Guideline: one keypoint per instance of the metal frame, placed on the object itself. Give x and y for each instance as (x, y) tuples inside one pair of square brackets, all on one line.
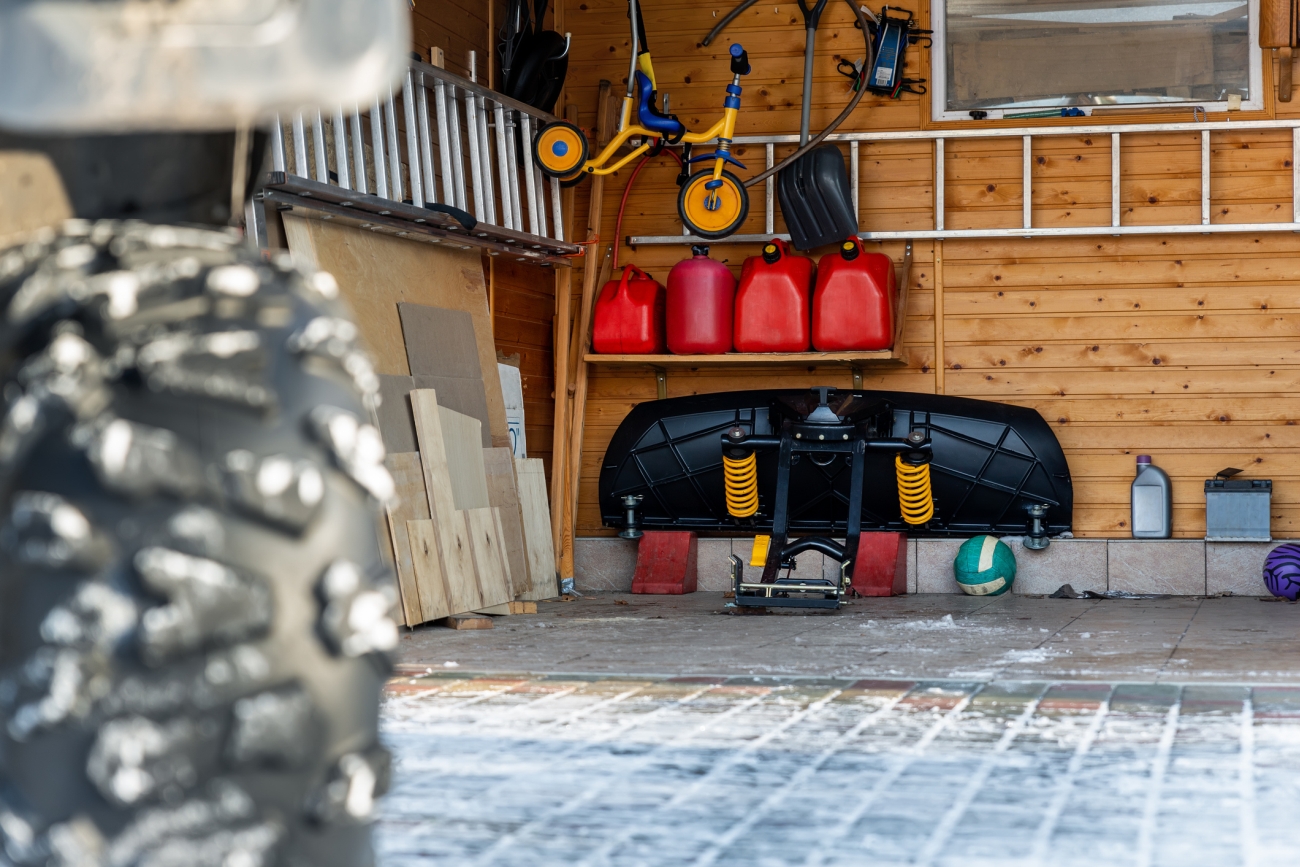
[(1027, 135), (471, 150), (939, 74)]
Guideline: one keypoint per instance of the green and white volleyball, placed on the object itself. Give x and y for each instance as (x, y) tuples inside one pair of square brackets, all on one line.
[(984, 567)]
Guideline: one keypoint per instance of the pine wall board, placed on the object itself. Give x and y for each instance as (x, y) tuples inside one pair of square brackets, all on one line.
[(1185, 347)]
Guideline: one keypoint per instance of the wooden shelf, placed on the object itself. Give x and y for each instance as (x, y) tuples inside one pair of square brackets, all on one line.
[(661, 364), (735, 359)]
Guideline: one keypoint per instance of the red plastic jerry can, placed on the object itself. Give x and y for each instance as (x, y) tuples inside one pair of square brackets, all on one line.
[(773, 301), (630, 316), (853, 302), (701, 299)]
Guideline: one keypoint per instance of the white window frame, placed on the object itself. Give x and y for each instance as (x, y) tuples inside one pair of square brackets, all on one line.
[(939, 73)]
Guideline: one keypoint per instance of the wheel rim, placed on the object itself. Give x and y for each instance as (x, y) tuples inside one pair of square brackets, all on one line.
[(712, 216), (559, 150)]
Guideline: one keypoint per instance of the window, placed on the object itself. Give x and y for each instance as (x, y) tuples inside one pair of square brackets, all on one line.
[(1007, 56)]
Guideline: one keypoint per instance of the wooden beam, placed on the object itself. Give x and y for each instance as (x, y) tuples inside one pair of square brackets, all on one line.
[(590, 275), (563, 315)]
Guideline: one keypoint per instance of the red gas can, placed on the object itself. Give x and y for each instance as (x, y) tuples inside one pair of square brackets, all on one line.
[(772, 303), (630, 316), (701, 298), (853, 302)]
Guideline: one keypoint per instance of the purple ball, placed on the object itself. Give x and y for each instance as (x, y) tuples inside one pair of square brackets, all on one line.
[(1282, 571)]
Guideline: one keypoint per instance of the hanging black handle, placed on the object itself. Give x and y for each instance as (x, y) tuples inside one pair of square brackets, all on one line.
[(812, 17), (739, 60)]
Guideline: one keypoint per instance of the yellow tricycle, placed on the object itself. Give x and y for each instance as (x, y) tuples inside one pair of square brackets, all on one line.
[(713, 203)]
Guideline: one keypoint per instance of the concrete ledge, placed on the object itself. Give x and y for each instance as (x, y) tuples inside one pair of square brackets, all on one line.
[(1179, 567), (1081, 563), (1173, 566), (603, 565), (1237, 567)]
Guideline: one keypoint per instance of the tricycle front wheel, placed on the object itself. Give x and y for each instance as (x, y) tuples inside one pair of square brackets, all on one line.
[(713, 212)]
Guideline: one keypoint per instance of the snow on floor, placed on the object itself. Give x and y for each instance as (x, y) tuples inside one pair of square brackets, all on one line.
[(591, 770)]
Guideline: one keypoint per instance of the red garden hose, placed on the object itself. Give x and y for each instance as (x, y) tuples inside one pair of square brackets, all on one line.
[(618, 227)]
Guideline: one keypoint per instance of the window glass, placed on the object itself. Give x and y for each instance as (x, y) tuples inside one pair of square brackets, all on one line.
[(1049, 53)]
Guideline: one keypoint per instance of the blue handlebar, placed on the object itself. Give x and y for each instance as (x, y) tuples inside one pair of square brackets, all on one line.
[(739, 60)]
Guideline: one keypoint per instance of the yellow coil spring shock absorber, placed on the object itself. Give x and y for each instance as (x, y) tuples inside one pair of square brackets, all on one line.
[(914, 494), (741, 475)]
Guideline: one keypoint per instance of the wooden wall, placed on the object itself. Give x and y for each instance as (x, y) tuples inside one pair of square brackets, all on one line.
[(1185, 347), (457, 27), (522, 321)]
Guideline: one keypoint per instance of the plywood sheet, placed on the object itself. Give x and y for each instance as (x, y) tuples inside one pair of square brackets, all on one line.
[(503, 495), (489, 558), (377, 272), (452, 541), (460, 438), (411, 505), (536, 513), (427, 565)]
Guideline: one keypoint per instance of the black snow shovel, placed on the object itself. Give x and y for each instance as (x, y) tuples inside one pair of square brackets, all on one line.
[(816, 199)]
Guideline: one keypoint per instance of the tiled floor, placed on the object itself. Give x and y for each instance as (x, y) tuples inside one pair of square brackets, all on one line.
[(920, 730), (748, 771)]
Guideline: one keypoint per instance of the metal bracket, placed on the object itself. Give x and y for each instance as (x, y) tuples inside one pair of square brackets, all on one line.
[(857, 378), (661, 380)]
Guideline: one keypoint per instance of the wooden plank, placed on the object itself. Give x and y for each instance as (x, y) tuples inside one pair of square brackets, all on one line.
[(1270, 353), (452, 539), (1135, 325), (427, 564), (503, 495), (1124, 299), (411, 504), (563, 327), (499, 531), (1119, 383), (579, 340), (540, 561), (464, 461), (470, 621), (489, 558)]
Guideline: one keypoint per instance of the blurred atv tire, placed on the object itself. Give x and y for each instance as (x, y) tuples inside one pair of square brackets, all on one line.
[(194, 612)]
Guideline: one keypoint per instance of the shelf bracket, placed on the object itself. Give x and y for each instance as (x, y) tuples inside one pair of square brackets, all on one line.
[(661, 380), (857, 378)]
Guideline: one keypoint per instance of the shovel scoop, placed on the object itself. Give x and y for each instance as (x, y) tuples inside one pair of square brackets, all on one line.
[(816, 198)]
